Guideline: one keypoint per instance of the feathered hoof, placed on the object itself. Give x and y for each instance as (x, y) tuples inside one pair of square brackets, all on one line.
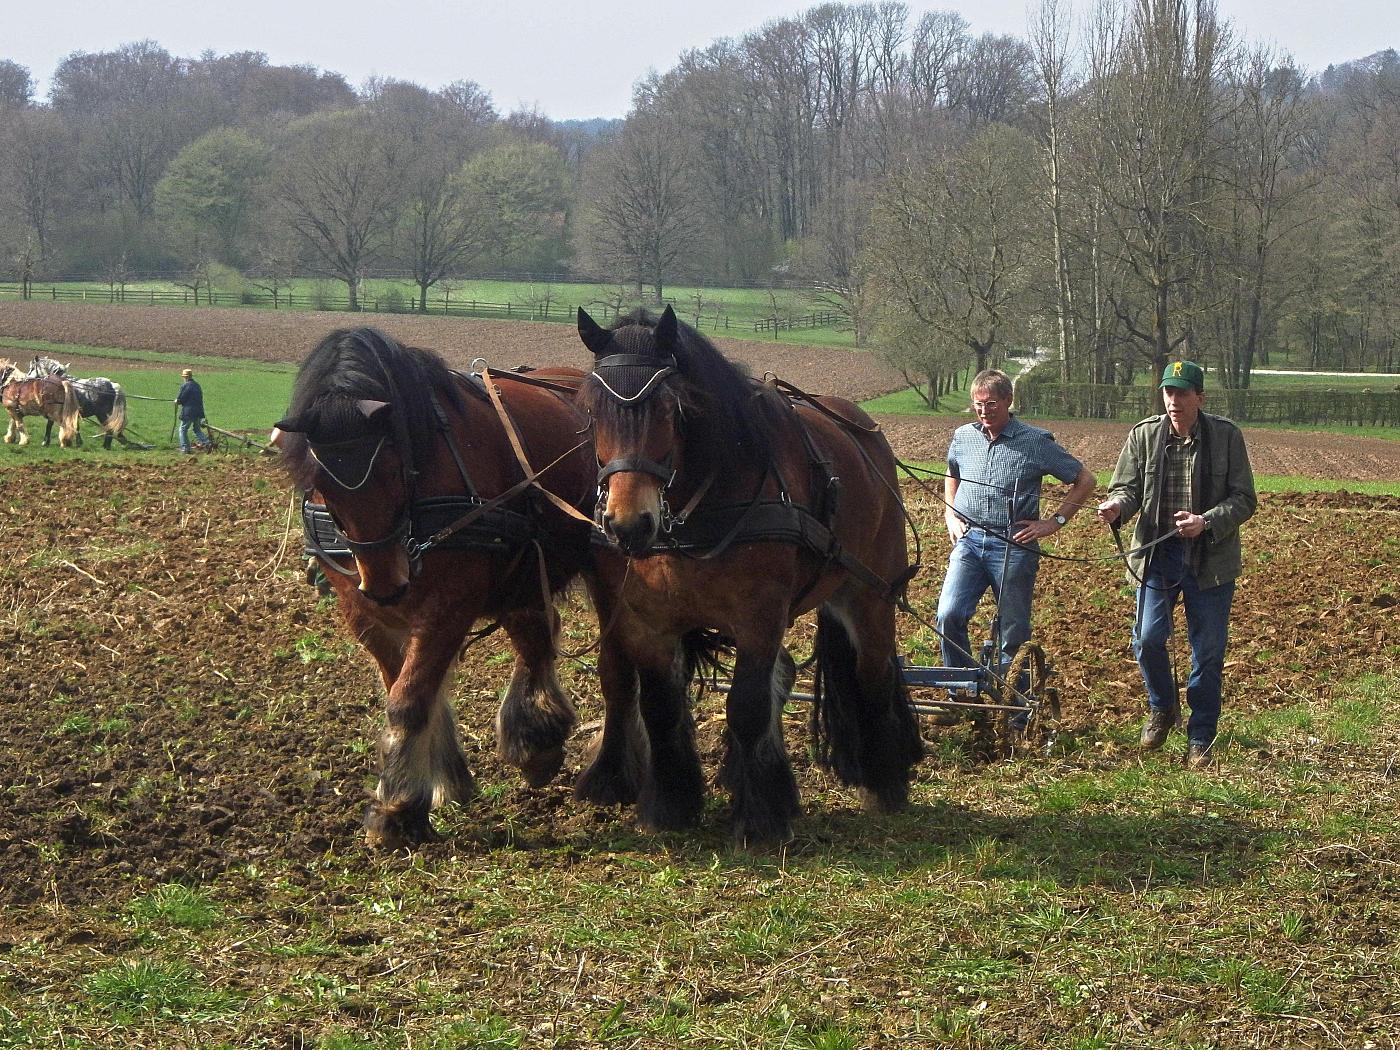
[(542, 767), (657, 815), (606, 786), (400, 826), (888, 798), (761, 831)]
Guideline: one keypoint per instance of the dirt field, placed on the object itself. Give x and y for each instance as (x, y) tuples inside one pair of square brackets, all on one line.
[(188, 703), (180, 709), (282, 336)]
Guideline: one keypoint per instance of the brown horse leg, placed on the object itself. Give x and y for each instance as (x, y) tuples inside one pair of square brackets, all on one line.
[(865, 729), (421, 759), (535, 717), (756, 769), (672, 794), (617, 763)]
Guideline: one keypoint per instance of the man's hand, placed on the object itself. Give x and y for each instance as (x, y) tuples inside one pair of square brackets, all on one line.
[(957, 527), (1108, 512), (1033, 529), (1188, 525)]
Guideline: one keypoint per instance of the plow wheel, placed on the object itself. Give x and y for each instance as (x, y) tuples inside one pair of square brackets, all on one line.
[(1027, 685), (1003, 733)]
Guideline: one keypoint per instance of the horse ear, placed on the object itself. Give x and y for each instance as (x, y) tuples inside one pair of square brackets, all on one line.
[(665, 331), (373, 411), (301, 424), (593, 335)]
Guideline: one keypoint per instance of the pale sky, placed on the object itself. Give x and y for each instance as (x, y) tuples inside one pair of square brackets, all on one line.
[(572, 60)]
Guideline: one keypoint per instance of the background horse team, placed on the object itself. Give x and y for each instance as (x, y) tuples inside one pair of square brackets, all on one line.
[(46, 389)]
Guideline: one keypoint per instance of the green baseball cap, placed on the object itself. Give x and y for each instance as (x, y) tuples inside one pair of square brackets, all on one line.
[(1184, 374)]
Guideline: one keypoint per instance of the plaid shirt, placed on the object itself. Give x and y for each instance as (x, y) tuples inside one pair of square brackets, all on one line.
[(989, 473), (1178, 468)]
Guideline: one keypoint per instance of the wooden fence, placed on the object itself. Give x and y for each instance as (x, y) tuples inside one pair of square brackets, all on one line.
[(779, 324), (1312, 406), (399, 304)]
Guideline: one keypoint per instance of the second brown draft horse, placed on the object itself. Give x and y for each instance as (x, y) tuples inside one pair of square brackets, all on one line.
[(47, 396), (402, 451), (741, 509)]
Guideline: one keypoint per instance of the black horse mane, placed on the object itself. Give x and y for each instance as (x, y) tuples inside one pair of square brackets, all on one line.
[(354, 364), (727, 420)]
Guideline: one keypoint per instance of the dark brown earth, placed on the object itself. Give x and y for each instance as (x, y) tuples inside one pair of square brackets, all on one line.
[(178, 702), (271, 335)]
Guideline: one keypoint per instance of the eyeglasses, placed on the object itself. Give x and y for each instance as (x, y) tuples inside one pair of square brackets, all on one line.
[(985, 406)]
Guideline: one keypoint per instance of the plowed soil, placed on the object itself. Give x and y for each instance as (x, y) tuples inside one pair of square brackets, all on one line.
[(178, 701), (177, 705)]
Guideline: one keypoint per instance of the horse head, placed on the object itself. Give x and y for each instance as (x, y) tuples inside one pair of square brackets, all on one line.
[(347, 435), (45, 367), (636, 402)]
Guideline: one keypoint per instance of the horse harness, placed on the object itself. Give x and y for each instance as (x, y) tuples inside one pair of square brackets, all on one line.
[(704, 531), (465, 522)]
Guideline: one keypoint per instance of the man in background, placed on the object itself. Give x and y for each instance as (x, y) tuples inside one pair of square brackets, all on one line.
[(190, 405)]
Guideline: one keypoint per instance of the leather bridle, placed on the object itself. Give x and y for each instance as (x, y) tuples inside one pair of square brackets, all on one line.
[(664, 469)]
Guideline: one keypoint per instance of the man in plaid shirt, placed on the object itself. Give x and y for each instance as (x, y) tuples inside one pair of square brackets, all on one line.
[(1188, 473)]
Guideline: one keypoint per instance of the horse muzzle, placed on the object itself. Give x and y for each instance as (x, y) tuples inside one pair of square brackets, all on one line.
[(634, 534), (386, 601)]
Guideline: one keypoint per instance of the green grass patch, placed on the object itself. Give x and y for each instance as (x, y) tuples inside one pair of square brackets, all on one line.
[(137, 992), (176, 905)]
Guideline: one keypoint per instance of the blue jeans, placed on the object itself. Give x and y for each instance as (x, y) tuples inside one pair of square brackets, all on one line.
[(975, 565), (200, 437), (1207, 629)]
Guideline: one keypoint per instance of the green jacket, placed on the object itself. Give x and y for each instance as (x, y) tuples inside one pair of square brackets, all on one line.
[(1222, 491)]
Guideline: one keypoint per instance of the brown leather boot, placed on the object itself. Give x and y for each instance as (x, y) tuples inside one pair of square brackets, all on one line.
[(1199, 754), (1159, 724)]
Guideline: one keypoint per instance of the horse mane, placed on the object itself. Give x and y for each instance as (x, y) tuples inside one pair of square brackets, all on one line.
[(354, 364), (725, 422)]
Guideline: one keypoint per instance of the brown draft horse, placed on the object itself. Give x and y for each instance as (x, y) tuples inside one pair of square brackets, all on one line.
[(47, 396), (401, 449), (725, 495)]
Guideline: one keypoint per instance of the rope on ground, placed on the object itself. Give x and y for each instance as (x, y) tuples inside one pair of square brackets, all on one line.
[(270, 569)]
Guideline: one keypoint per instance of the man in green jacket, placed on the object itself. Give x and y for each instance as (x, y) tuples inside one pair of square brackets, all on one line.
[(1188, 474)]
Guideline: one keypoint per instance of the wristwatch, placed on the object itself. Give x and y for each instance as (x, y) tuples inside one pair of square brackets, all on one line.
[(1060, 520)]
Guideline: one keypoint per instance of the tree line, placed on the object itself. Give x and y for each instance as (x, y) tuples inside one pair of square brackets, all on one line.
[(1116, 189)]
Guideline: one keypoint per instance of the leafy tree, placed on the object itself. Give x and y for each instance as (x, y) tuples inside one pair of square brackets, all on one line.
[(210, 192), (16, 86), (520, 189)]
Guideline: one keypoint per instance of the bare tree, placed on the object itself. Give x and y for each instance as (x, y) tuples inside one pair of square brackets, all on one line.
[(1049, 44), (954, 246), (645, 222), (338, 190), (441, 228), (1157, 109), (35, 158)]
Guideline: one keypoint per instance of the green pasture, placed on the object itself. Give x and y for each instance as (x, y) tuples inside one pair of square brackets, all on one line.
[(248, 397)]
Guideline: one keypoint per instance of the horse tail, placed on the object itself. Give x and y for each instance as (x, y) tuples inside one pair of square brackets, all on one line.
[(116, 418), (70, 415), (865, 732)]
